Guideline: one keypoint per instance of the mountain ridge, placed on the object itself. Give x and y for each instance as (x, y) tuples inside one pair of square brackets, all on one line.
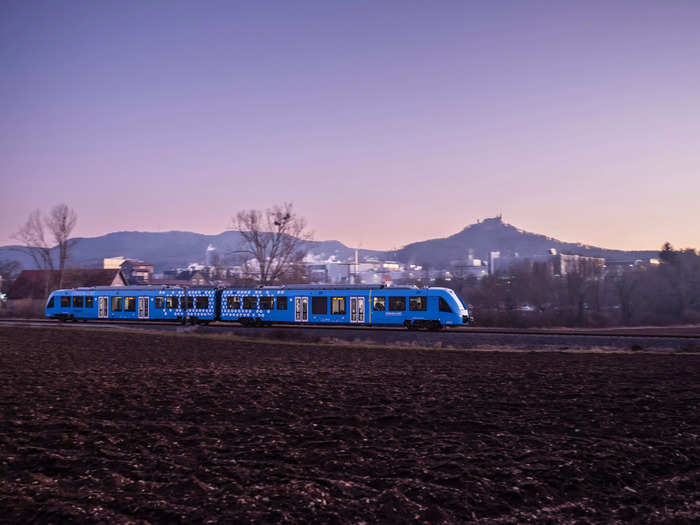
[(177, 248), (164, 250)]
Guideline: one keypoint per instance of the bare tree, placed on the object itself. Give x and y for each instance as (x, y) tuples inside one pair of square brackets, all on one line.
[(33, 235), (60, 222), (626, 286), (274, 239)]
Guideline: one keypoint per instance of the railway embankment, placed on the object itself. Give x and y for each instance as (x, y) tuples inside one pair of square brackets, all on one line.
[(654, 339)]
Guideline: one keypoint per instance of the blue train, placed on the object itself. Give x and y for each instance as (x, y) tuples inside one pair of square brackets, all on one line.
[(412, 307)]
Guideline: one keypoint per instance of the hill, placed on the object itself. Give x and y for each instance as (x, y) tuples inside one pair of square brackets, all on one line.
[(495, 235)]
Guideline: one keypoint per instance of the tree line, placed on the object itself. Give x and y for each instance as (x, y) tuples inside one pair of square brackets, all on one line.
[(529, 295)]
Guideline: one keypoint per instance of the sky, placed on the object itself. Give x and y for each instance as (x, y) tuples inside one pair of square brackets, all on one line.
[(383, 122)]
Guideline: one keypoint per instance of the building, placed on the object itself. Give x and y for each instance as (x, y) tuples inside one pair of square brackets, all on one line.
[(184, 278), (560, 264), (27, 294), (141, 272), (462, 271), (620, 266), (113, 263), (318, 273), (469, 267), (563, 264), (493, 260), (211, 257), (198, 278), (136, 271)]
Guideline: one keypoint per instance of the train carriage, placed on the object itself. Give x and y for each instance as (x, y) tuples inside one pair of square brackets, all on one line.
[(343, 304), (159, 303)]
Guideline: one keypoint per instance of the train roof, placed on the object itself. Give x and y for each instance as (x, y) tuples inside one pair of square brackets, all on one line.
[(337, 287), (152, 287), (136, 288), (331, 287)]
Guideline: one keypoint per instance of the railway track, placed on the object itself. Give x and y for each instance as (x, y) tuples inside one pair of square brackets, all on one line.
[(667, 338), (682, 332)]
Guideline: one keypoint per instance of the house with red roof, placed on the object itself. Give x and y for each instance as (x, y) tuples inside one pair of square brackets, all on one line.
[(28, 293)]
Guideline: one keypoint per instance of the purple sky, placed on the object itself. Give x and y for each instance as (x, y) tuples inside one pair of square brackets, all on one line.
[(384, 122)]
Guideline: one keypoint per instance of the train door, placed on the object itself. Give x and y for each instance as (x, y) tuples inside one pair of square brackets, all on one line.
[(301, 309), (357, 309), (102, 303), (143, 307)]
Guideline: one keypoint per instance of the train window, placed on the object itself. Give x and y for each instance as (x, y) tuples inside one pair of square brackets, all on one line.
[(338, 305), (77, 301), (89, 302), (116, 303), (187, 303), (281, 303), (267, 303), (202, 302), (171, 302), (417, 304), (158, 302), (379, 304), (250, 302), (129, 304), (444, 307), (50, 304), (65, 301), (233, 302), (319, 305), (397, 304)]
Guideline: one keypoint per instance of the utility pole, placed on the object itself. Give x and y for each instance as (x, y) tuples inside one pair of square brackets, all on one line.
[(357, 269)]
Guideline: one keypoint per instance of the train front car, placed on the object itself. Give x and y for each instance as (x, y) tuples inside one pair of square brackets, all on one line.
[(375, 305), (79, 304), (451, 309), (59, 305)]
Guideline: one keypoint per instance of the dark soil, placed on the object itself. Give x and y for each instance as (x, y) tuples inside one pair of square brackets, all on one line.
[(120, 426)]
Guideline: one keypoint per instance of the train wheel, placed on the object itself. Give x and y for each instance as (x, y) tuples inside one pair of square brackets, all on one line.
[(420, 325), (435, 326)]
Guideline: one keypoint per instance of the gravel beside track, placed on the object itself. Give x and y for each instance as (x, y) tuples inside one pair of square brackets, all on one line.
[(122, 426)]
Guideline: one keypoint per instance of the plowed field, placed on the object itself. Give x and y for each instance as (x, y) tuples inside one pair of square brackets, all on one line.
[(122, 426)]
